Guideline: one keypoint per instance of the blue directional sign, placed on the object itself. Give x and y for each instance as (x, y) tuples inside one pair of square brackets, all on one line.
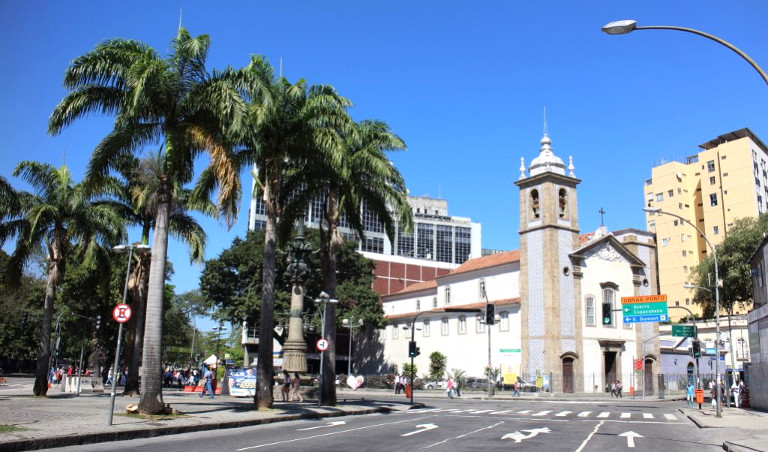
[(645, 318)]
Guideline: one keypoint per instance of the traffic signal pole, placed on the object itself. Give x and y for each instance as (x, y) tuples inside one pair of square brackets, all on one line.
[(413, 341)]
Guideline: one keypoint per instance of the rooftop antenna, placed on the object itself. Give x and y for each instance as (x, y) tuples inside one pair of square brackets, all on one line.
[(281, 67), (545, 121)]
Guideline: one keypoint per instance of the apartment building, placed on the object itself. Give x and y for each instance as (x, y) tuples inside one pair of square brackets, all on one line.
[(726, 180)]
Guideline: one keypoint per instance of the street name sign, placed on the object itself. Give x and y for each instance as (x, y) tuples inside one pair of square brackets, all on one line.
[(644, 299), (683, 331), (645, 318)]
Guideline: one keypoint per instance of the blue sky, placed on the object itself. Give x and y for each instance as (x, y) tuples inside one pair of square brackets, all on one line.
[(463, 83)]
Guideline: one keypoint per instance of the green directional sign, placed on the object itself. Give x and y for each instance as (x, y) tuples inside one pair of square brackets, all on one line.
[(656, 308), (683, 331)]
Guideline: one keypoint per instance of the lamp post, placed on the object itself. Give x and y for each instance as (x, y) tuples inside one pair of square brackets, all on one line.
[(323, 298), (351, 325), (652, 211), (218, 330), (121, 249), (623, 27), (413, 340)]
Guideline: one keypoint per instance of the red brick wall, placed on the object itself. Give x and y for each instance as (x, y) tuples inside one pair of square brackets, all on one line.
[(393, 277)]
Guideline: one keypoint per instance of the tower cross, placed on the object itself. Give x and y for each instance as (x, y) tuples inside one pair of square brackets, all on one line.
[(602, 212)]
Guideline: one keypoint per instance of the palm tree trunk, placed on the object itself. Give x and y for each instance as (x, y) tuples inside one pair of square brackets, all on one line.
[(329, 286), (151, 380), (265, 370), (139, 304), (41, 373)]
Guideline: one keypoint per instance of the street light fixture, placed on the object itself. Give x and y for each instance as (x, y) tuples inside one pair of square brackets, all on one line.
[(656, 210), (352, 326), (323, 298), (623, 27), (121, 249)]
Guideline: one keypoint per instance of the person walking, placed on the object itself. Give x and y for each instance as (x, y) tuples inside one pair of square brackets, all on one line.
[(286, 385), (207, 383), (516, 392), (457, 387), (689, 394), (619, 387), (449, 388), (296, 388)]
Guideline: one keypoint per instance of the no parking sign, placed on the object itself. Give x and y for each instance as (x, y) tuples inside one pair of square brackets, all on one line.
[(121, 313)]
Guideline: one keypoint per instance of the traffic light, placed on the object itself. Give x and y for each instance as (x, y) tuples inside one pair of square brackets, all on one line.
[(490, 314), (98, 322), (696, 348), (607, 314), (413, 350)]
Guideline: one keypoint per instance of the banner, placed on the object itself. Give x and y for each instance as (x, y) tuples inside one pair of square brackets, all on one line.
[(242, 382)]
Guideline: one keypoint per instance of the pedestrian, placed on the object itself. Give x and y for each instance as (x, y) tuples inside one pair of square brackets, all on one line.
[(207, 382), (397, 384), (286, 385), (613, 388), (713, 393), (689, 394), (295, 387), (457, 387), (449, 388), (517, 389), (619, 387)]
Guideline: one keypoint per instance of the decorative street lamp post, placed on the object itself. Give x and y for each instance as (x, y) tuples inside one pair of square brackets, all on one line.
[(352, 326), (295, 348)]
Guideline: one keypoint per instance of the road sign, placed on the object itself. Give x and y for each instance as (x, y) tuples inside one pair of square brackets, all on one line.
[(657, 308), (683, 331), (121, 313), (322, 344), (638, 364), (645, 318), (644, 299)]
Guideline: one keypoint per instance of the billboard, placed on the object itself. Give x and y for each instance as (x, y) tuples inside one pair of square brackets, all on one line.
[(242, 382)]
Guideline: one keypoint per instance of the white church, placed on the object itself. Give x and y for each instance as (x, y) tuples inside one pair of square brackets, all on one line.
[(557, 299)]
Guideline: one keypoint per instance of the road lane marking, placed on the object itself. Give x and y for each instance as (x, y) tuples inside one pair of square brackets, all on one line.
[(604, 414), (329, 434), (647, 416), (463, 435), (563, 413), (422, 428), (584, 413), (524, 412), (519, 437), (589, 437), (625, 415), (500, 412), (671, 417), (631, 437), (480, 411), (542, 413), (330, 424)]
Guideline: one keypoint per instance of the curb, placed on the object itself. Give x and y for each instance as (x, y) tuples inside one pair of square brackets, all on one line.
[(729, 446), (93, 438)]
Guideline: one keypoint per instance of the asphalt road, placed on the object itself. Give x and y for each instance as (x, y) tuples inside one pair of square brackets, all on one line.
[(459, 425)]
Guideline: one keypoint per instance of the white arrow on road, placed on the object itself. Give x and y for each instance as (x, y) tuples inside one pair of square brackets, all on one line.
[(422, 428), (631, 438), (330, 424), (518, 437)]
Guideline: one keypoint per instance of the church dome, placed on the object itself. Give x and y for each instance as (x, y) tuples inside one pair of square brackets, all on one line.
[(547, 161)]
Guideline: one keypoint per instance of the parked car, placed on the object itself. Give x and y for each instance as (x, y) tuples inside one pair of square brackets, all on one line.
[(435, 384), (477, 383)]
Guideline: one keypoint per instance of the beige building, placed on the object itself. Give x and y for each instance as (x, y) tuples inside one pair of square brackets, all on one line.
[(726, 180)]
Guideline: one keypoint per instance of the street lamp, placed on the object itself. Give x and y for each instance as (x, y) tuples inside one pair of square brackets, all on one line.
[(352, 326), (218, 329), (656, 210), (623, 27), (413, 341), (323, 298), (121, 249)]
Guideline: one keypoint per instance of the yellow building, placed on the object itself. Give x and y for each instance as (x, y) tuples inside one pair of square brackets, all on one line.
[(726, 180)]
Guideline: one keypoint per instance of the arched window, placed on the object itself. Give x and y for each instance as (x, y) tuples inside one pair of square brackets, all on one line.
[(589, 308), (504, 323), (562, 203), (444, 326), (480, 324), (481, 289), (418, 305), (535, 210), (394, 331), (425, 328), (447, 295), (462, 325)]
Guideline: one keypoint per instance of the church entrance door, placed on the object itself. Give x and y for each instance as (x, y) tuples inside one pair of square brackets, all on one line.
[(568, 375), (610, 369), (648, 384)]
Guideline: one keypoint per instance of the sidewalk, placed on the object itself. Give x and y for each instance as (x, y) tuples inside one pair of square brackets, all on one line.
[(67, 420), (743, 429)]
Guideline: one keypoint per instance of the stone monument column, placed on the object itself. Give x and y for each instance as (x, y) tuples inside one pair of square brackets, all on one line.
[(295, 348)]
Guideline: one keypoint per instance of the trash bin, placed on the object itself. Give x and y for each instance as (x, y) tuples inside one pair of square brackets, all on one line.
[(699, 396), (407, 391), (662, 385)]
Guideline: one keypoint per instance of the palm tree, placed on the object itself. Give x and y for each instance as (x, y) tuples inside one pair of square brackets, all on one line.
[(365, 180), (169, 101), (135, 196), (288, 126), (58, 219)]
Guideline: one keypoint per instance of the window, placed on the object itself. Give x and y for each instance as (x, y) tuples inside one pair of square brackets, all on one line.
[(395, 331), (447, 295), (444, 251), (463, 244), (535, 203), (481, 290), (680, 206), (590, 311), (685, 253), (480, 324), (434, 302), (562, 202), (418, 305), (504, 323), (760, 281), (659, 197), (711, 166), (425, 329), (652, 225), (405, 243), (682, 237), (664, 241), (679, 191), (671, 193), (713, 199), (712, 180), (462, 325), (425, 240), (716, 230), (677, 303), (687, 301), (373, 245), (675, 222), (685, 269), (444, 327)]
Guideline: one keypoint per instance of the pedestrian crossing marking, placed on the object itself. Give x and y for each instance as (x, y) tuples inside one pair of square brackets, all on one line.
[(647, 416), (671, 417), (542, 413), (584, 413), (552, 413), (480, 411), (563, 413), (625, 415), (500, 412), (604, 414), (524, 412)]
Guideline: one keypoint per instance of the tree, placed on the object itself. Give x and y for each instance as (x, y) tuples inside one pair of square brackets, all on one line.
[(437, 365), (61, 219), (288, 127), (175, 103), (20, 314), (733, 267)]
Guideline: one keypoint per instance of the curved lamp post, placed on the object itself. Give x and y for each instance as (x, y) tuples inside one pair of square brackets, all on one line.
[(623, 27), (652, 211), (347, 323)]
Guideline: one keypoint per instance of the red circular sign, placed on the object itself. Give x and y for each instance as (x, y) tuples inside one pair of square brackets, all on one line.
[(322, 344), (121, 313)]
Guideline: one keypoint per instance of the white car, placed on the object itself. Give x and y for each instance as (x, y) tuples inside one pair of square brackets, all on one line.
[(435, 384)]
